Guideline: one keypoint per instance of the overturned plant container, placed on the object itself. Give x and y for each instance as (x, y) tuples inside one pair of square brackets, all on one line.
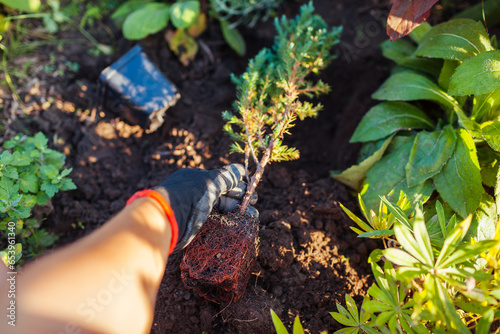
[(136, 90), (217, 263)]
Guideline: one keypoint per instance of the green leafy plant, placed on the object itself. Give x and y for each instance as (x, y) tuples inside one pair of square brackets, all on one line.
[(30, 175), (440, 284), (436, 133), (268, 92)]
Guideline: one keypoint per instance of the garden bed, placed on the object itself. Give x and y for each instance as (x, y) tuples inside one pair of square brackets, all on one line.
[(309, 258)]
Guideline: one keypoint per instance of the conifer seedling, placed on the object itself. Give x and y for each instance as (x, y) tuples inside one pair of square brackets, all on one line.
[(268, 102), (217, 263)]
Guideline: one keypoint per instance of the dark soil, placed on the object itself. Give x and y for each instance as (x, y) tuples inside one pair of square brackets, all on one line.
[(309, 258)]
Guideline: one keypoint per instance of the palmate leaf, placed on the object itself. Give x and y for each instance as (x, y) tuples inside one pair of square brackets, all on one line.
[(430, 152), (357, 321), (149, 19), (478, 75), (387, 118), (468, 38), (459, 182)]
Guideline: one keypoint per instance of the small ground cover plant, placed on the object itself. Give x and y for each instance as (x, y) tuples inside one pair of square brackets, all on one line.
[(436, 135), (30, 175)]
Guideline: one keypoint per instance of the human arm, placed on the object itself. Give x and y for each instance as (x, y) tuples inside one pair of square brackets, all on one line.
[(107, 282)]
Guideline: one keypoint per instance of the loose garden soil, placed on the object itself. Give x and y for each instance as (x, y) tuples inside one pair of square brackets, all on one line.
[(309, 258)]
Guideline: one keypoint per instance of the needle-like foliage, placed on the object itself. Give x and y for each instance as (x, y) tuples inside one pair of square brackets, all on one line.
[(268, 92)]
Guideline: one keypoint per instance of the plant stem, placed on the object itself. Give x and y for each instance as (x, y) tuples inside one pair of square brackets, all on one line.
[(255, 179)]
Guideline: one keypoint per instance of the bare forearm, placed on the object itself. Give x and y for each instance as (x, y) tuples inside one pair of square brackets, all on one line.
[(106, 282)]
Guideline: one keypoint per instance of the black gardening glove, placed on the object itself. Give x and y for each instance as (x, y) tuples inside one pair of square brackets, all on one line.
[(192, 193)]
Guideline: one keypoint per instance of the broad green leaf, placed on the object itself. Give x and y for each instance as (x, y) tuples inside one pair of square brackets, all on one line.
[(353, 176), (28, 182), (491, 133), (485, 220), (184, 13), (233, 38), (485, 107), (278, 325), (425, 65), (447, 71), (419, 32), (455, 40), (385, 175), (478, 75), (149, 19), (459, 182), (411, 86), (489, 162), (49, 171), (487, 10), (397, 50), (23, 5), (430, 152), (387, 118), (125, 9), (369, 148)]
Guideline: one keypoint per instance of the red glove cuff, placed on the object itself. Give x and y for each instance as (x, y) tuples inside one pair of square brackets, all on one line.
[(168, 211)]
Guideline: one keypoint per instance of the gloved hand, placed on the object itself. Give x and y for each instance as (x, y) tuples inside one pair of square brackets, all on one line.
[(192, 193)]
